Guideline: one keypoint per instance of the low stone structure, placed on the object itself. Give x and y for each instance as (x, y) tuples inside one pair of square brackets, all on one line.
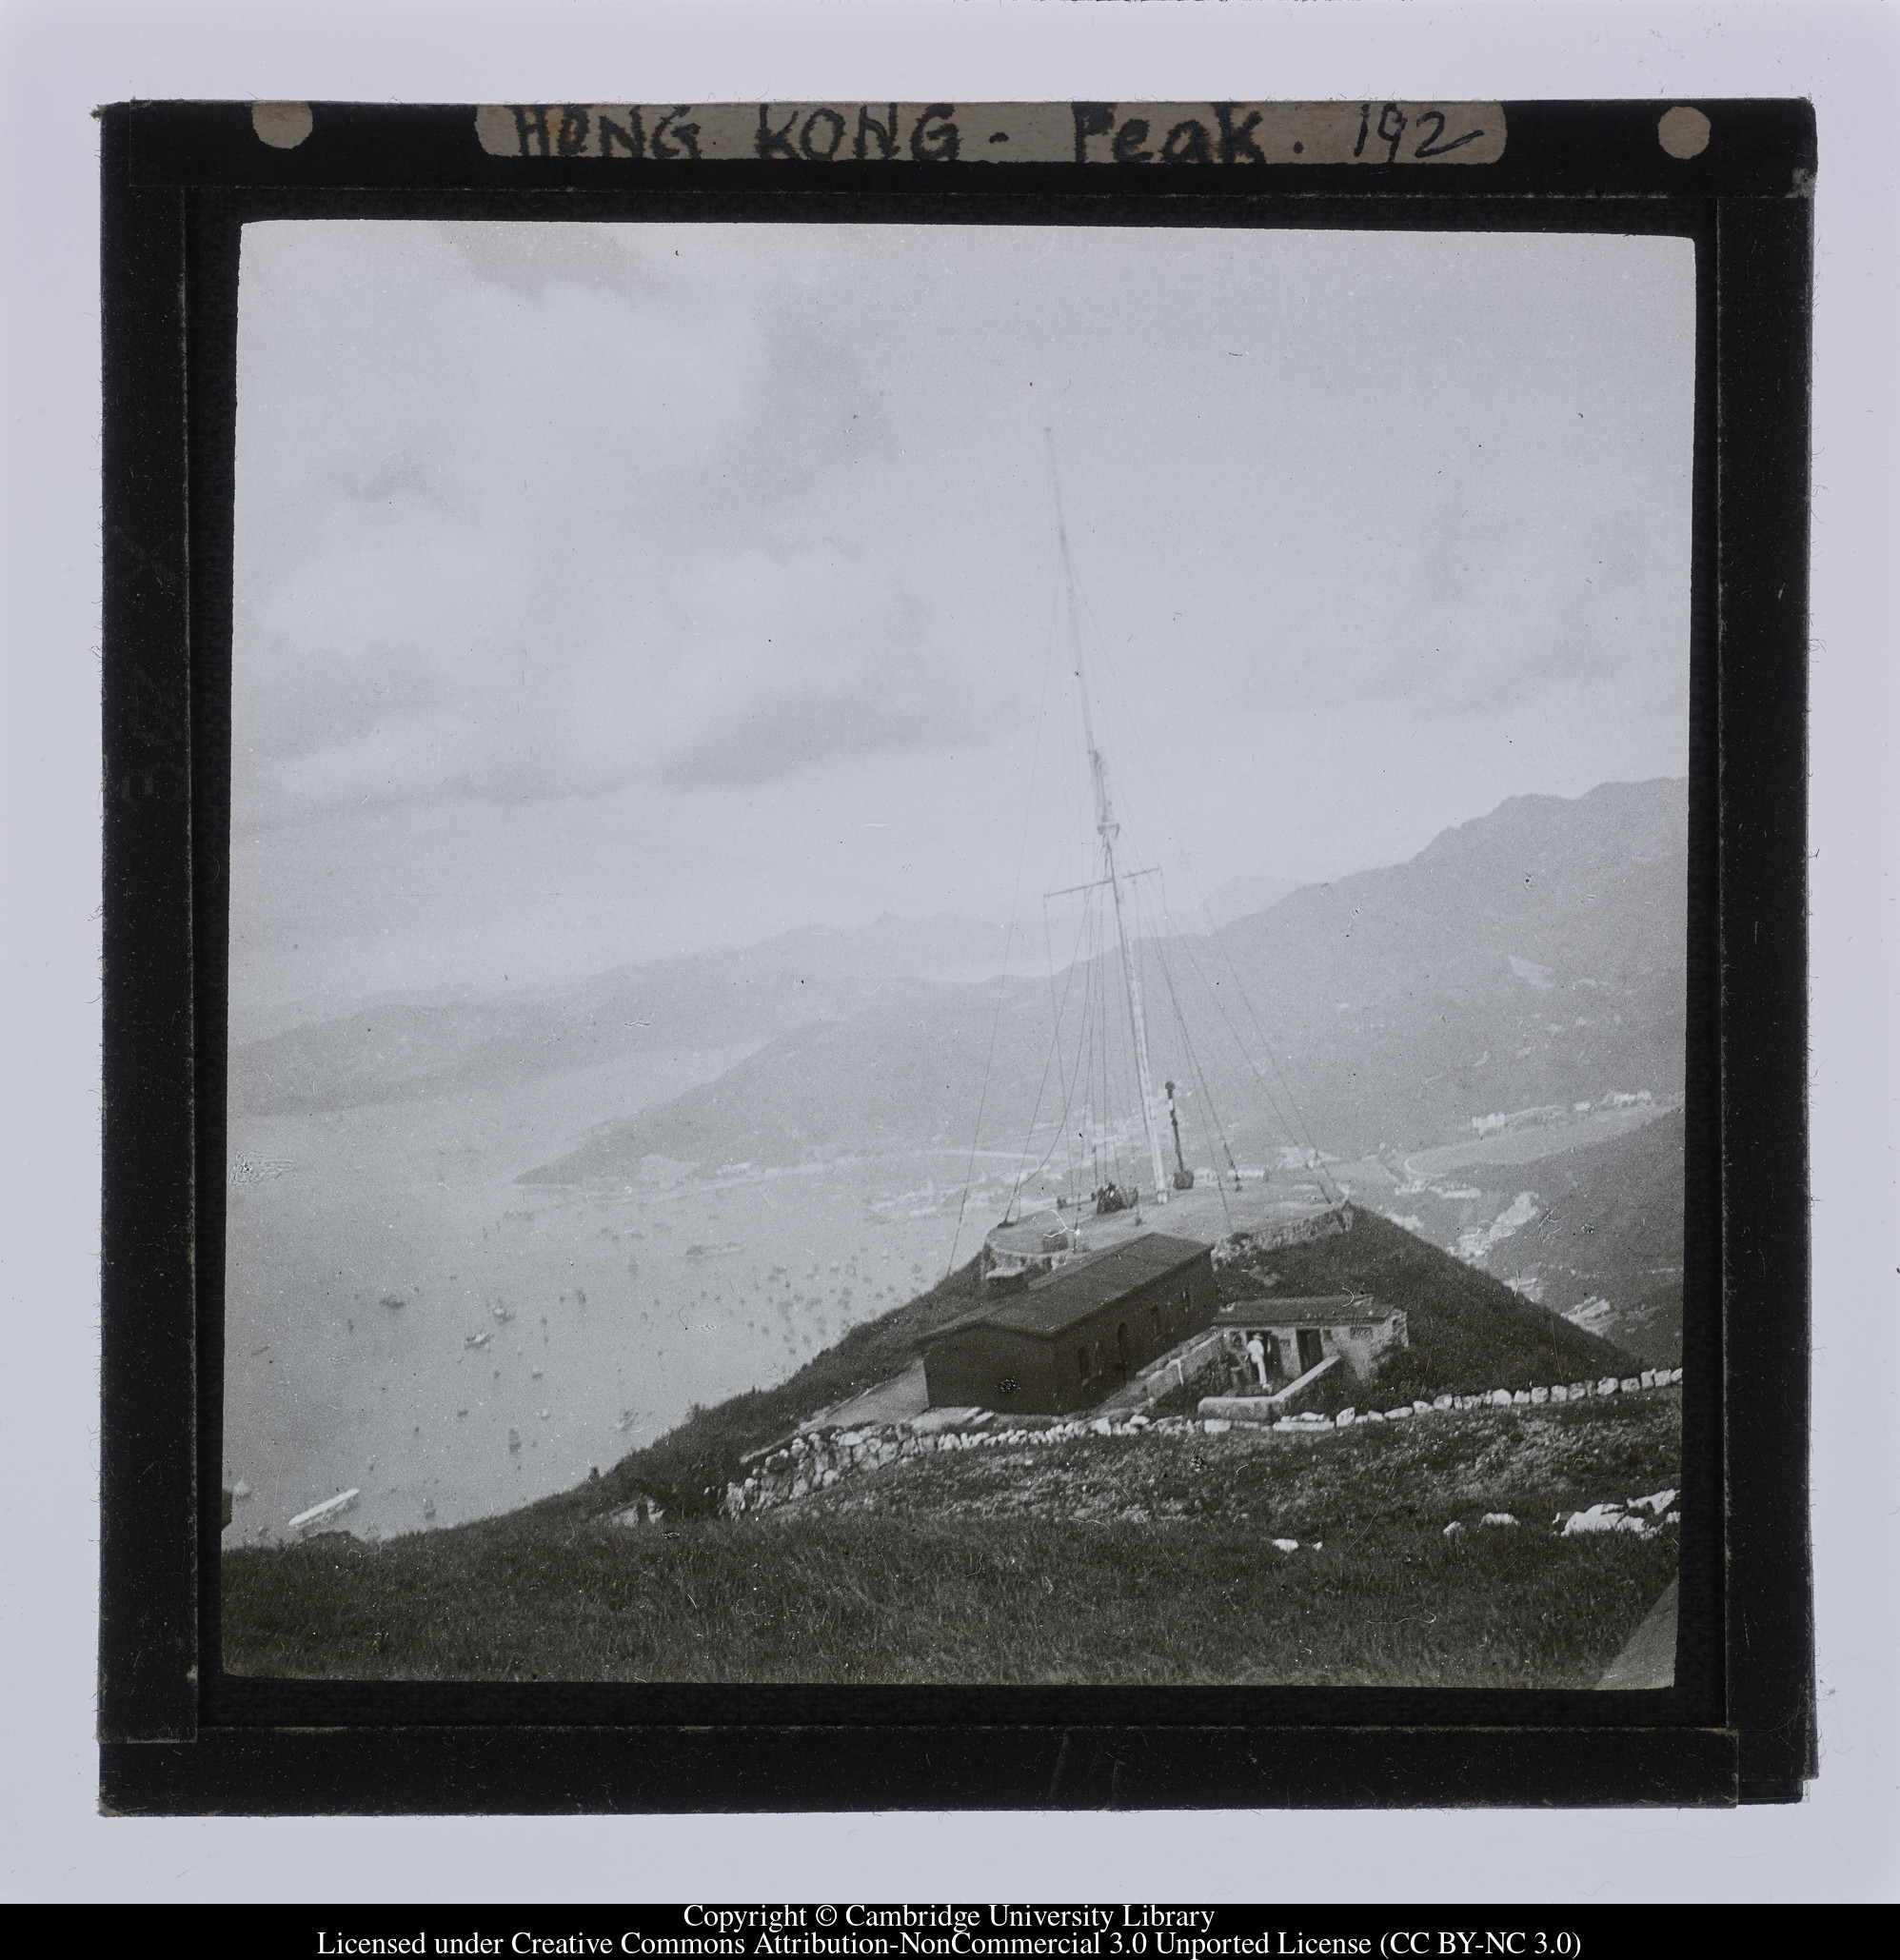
[(815, 1461), (1290, 1336), (1330, 1223)]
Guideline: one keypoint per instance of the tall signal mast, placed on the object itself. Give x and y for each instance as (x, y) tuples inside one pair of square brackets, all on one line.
[(1107, 831)]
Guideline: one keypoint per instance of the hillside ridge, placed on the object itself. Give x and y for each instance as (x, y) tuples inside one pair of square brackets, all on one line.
[(1468, 1333)]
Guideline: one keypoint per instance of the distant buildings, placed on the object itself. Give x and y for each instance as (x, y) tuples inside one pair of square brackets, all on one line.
[(1075, 1335)]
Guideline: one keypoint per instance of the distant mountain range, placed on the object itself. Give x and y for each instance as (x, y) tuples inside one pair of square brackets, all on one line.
[(397, 1049), (1239, 897), (1532, 956)]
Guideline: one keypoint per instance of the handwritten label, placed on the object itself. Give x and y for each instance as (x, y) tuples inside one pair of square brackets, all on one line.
[(1214, 134)]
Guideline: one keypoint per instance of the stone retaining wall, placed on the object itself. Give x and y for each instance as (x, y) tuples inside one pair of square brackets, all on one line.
[(1229, 1408), (1181, 1365), (817, 1460), (1243, 1245)]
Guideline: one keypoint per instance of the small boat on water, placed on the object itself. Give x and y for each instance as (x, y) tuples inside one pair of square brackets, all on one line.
[(325, 1513)]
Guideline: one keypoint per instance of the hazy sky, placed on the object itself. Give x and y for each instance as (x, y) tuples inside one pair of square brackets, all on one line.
[(604, 592)]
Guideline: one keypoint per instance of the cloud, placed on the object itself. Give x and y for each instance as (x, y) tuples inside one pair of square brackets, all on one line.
[(534, 517), (1464, 596), (785, 661), (576, 554)]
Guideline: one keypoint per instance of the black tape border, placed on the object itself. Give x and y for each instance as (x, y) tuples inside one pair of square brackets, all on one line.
[(179, 181)]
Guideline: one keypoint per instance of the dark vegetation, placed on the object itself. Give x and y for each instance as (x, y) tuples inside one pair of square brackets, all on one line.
[(1610, 1223), (1652, 1328), (1154, 1564), (1467, 1331)]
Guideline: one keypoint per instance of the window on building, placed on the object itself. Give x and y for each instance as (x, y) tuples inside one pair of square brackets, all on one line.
[(1082, 1363)]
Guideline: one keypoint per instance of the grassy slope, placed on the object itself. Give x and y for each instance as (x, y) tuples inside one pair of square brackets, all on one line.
[(977, 1566), (1098, 1559), (688, 1468), (1610, 1224), (1653, 1326), (1468, 1331), (1530, 1462)]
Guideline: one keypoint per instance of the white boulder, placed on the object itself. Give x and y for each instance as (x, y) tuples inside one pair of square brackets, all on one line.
[(1656, 1503), (1602, 1517)]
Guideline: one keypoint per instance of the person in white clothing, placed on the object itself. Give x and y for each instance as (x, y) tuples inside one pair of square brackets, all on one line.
[(1257, 1353)]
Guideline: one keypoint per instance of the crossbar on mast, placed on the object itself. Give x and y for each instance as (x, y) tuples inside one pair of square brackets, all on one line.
[(1094, 884)]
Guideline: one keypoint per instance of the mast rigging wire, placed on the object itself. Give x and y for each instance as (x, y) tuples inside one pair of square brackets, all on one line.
[(1298, 1127), (1008, 940), (1200, 1075)]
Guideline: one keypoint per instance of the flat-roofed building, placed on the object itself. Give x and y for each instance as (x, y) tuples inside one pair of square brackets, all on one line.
[(1067, 1339), (1298, 1334)]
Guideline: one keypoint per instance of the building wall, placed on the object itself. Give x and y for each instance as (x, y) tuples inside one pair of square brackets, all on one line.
[(969, 1367), (1364, 1346), (1360, 1345), (967, 1370)]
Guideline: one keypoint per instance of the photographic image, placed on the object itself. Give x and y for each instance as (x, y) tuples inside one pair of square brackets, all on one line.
[(956, 954)]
